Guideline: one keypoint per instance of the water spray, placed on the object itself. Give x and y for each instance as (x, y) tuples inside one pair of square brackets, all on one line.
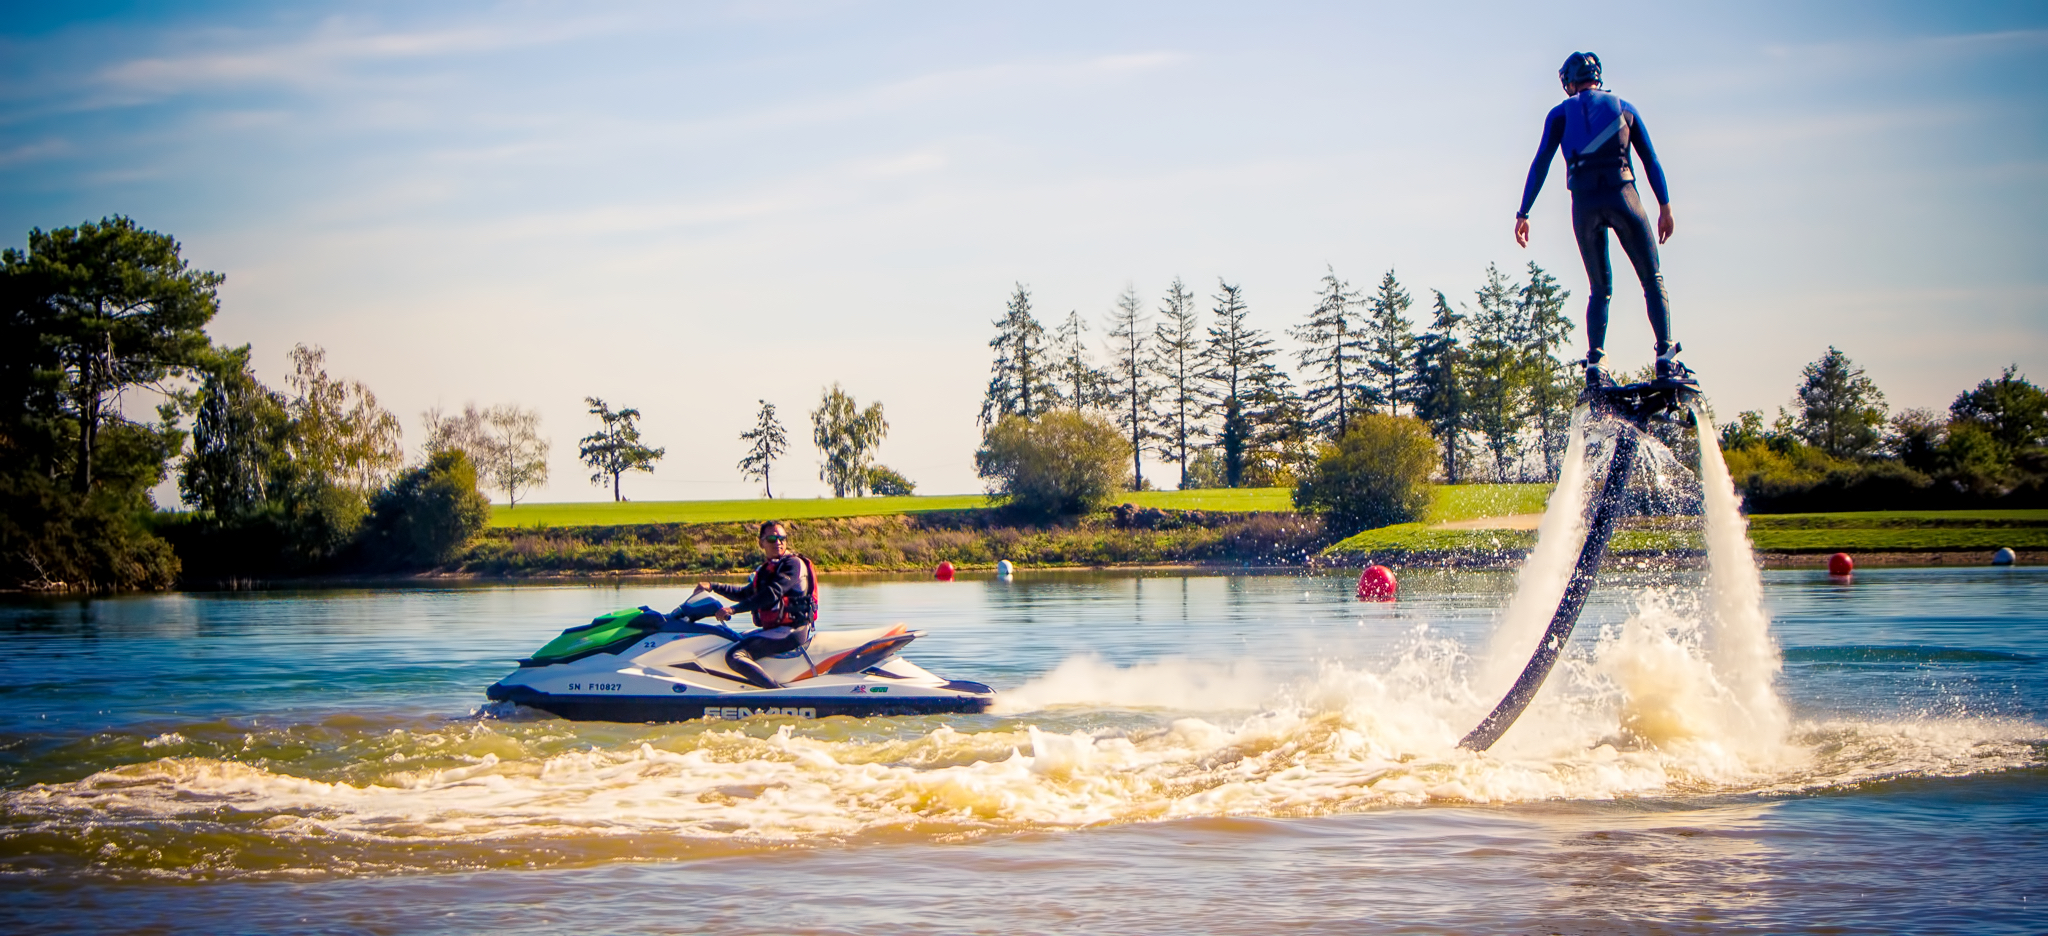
[(1627, 410)]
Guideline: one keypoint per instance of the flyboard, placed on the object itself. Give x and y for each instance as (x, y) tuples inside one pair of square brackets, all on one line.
[(1629, 409)]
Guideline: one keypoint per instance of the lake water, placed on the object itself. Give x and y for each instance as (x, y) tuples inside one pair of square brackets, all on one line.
[(1173, 754)]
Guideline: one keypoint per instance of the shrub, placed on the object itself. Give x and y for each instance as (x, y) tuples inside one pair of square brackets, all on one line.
[(884, 481), (1060, 464), (428, 514), (1376, 475)]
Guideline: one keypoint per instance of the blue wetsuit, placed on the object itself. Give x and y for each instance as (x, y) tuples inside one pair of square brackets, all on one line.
[(1596, 128)]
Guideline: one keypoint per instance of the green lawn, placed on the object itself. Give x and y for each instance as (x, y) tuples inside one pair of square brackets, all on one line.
[(727, 511), (1453, 502), (1888, 519), (1470, 501)]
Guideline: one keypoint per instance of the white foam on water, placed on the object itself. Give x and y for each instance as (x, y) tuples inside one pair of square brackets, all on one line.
[(1173, 683)]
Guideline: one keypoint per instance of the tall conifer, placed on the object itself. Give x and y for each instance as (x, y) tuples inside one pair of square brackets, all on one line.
[(1389, 340), (1131, 384), (1018, 380), (1330, 358), (1178, 361)]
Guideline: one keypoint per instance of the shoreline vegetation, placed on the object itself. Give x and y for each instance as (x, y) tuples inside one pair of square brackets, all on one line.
[(1468, 526), (312, 481)]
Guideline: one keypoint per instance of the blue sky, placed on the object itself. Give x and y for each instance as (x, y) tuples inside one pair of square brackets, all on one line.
[(688, 207)]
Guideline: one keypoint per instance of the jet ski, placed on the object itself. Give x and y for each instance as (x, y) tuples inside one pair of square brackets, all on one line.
[(640, 665)]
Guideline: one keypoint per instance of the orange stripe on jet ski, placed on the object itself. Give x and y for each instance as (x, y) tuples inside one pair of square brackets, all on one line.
[(825, 665)]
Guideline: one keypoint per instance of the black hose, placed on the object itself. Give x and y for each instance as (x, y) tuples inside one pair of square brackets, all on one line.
[(1607, 509)]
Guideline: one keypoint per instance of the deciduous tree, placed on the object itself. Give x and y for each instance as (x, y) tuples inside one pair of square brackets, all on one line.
[(519, 459), (2010, 407), (1063, 463), (239, 431), (339, 433), (847, 437)]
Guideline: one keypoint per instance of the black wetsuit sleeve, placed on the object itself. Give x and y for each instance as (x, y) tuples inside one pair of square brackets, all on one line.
[(732, 592), (1553, 134), (1640, 138), (787, 580)]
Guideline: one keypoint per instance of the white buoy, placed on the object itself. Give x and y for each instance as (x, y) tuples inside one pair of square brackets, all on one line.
[(1004, 569), (2003, 556)]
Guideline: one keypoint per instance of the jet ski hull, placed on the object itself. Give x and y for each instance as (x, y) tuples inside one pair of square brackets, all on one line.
[(718, 707)]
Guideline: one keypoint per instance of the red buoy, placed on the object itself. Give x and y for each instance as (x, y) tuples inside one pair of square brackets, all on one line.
[(1377, 583), (944, 572), (1840, 564)]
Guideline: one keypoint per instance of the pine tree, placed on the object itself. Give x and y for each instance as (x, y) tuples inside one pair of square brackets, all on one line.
[(1494, 385), (1082, 382), (1177, 359), (1018, 376), (1330, 358), (1551, 391), (767, 441), (1131, 386), (1240, 375), (1389, 340), (1841, 411), (1439, 391)]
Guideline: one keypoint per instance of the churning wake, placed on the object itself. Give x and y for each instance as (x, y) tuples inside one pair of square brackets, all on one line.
[(1677, 700)]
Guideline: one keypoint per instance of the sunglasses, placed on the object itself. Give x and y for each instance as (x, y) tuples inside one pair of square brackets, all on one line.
[(776, 537)]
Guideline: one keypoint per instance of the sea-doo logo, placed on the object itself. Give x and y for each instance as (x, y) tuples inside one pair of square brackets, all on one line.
[(731, 713), (871, 689)]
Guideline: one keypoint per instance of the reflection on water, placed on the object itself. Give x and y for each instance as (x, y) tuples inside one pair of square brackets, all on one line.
[(1164, 735)]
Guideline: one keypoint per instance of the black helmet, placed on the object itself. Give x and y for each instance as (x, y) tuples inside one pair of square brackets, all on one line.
[(1580, 67)]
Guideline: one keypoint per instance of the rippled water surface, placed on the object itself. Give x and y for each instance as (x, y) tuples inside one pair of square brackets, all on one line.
[(1172, 754)]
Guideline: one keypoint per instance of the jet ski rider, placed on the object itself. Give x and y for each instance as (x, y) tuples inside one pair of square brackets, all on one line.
[(1596, 128), (783, 594)]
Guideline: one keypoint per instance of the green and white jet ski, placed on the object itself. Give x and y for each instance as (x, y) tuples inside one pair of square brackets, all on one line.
[(639, 665)]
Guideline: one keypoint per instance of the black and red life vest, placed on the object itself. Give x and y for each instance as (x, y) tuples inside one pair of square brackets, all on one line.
[(798, 610)]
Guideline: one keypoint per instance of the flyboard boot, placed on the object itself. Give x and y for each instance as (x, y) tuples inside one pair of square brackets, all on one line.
[(1669, 398), (1668, 367), (1596, 376)]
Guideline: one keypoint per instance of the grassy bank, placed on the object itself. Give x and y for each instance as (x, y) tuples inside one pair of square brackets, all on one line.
[(1454, 501), (968, 539), (1888, 531), (1236, 500), (1247, 525)]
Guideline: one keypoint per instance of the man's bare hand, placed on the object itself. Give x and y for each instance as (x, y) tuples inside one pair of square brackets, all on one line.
[(1522, 231), (1664, 223), (723, 614)]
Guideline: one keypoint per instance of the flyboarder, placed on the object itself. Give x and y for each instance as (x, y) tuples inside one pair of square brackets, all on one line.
[(1596, 128)]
